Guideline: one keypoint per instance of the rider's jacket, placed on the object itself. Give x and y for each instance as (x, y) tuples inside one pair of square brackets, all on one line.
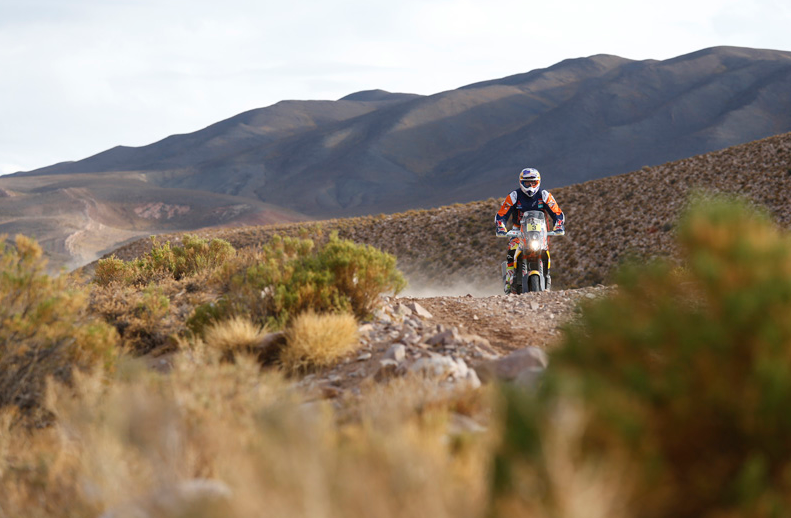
[(518, 202)]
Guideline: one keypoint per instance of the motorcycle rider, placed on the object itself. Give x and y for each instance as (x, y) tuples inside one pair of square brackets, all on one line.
[(527, 197)]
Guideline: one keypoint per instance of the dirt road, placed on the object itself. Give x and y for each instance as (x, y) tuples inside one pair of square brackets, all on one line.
[(510, 322)]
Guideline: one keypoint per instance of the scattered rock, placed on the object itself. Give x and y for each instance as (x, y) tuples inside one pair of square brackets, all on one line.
[(383, 317), (396, 352), (445, 337), (366, 329), (435, 366), (400, 311), (419, 310), (522, 362)]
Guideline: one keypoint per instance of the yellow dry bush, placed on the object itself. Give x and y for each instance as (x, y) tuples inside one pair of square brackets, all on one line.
[(319, 340), (235, 335)]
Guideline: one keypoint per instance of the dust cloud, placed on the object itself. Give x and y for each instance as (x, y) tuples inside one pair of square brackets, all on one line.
[(456, 289)]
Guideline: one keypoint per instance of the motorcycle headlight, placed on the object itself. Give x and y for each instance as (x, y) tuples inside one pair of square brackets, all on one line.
[(534, 245)]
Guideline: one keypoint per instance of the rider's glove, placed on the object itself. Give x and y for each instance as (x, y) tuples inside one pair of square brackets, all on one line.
[(559, 228), (501, 230)]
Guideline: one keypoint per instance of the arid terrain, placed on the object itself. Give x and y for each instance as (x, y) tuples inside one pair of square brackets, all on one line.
[(292, 399), (451, 257)]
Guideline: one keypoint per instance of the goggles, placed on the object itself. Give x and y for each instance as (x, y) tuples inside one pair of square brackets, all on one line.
[(529, 183)]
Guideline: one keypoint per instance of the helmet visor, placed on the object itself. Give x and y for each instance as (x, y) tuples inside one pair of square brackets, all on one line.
[(527, 184)]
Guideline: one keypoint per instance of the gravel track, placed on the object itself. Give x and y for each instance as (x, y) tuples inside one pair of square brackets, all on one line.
[(510, 322)]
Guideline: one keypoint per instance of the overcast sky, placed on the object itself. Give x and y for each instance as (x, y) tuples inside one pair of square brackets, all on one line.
[(81, 76)]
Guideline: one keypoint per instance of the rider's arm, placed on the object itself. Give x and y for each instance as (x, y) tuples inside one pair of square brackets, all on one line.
[(506, 209), (554, 209)]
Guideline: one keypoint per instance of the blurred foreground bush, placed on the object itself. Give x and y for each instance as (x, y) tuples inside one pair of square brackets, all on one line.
[(45, 328), (672, 397), (289, 276), (149, 445)]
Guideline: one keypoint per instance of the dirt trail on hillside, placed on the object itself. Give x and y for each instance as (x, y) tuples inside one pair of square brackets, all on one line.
[(510, 322)]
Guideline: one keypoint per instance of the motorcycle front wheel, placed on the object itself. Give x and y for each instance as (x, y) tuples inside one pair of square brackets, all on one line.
[(532, 283)]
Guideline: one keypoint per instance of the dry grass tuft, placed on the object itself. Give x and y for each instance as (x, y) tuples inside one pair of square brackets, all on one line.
[(235, 335), (319, 340)]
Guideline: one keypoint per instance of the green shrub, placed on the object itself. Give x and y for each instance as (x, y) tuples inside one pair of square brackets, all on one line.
[(290, 276), (45, 328), (683, 379), (109, 270), (195, 255)]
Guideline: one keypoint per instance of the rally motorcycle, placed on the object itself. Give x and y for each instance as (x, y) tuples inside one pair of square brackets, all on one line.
[(529, 274)]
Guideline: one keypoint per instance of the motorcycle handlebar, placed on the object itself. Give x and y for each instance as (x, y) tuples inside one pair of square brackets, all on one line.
[(517, 233)]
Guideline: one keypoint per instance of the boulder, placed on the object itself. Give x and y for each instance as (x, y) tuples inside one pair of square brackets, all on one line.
[(522, 366), (396, 352)]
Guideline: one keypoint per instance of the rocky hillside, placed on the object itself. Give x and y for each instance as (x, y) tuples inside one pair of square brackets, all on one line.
[(453, 249)]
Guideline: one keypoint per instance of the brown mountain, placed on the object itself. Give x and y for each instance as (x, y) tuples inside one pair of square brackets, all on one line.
[(377, 152)]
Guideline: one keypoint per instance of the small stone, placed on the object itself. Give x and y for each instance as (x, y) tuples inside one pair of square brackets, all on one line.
[(443, 338), (475, 317), (364, 356), (436, 366), (534, 305), (419, 310), (400, 311), (590, 295), (366, 329), (381, 316), (396, 352)]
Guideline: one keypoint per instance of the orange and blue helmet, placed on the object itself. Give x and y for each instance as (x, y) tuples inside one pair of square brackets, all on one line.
[(529, 181)]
